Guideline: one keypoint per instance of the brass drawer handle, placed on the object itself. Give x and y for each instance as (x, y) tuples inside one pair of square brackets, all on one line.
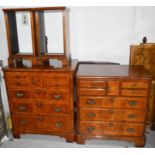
[(90, 128), (19, 95), (57, 109), (58, 124), (39, 118), (111, 125), (111, 111), (22, 107), (39, 104), (38, 92), (90, 114), (23, 122), (91, 102), (130, 130), (57, 97), (133, 103), (132, 116)]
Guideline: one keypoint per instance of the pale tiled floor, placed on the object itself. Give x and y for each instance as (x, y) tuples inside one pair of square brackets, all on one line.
[(46, 141)]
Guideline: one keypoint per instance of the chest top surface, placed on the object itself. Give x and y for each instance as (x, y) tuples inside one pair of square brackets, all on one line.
[(117, 71)]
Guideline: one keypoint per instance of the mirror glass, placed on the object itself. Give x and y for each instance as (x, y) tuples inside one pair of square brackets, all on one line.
[(20, 32), (51, 32)]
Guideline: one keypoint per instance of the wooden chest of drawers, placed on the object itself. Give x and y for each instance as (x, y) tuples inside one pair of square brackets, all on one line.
[(112, 102), (41, 100)]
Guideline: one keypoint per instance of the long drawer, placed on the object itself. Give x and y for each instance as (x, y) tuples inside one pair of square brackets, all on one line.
[(111, 128), (39, 107), (113, 102), (55, 95), (101, 114), (40, 122)]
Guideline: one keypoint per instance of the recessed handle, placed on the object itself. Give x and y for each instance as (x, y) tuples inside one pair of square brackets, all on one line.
[(22, 107), (130, 130), (90, 114), (23, 122), (91, 101), (90, 128), (57, 109), (19, 95), (57, 97), (133, 103), (132, 116), (58, 124)]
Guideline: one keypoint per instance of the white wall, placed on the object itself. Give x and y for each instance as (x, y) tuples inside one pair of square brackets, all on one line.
[(101, 33)]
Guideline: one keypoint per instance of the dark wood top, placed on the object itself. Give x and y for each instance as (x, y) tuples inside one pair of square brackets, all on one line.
[(71, 67), (117, 71), (34, 9)]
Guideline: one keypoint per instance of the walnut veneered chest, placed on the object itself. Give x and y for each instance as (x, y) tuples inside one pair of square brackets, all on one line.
[(41, 100), (112, 102)]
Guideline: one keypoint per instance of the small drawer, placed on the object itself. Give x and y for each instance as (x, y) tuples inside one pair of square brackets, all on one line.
[(17, 84), (91, 84), (134, 92), (98, 114), (35, 80), (56, 77), (135, 84), (17, 76), (111, 128), (98, 92), (19, 94), (54, 85)]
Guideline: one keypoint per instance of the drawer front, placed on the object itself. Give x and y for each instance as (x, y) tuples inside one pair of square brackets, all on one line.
[(110, 128), (17, 84), (39, 122), (35, 80), (19, 94), (88, 114), (126, 92), (56, 77), (113, 88), (135, 84), (113, 102), (99, 92), (91, 84), (54, 85), (17, 76), (38, 108)]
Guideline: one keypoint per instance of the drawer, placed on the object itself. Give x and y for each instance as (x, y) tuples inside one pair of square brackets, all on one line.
[(56, 77), (39, 122), (136, 92), (135, 84), (54, 85), (111, 128), (19, 94), (98, 92), (17, 84), (113, 102), (92, 84), (38, 108), (113, 88), (17, 76), (35, 80), (98, 114)]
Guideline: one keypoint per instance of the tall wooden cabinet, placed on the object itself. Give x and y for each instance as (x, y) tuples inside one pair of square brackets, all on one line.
[(40, 75)]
